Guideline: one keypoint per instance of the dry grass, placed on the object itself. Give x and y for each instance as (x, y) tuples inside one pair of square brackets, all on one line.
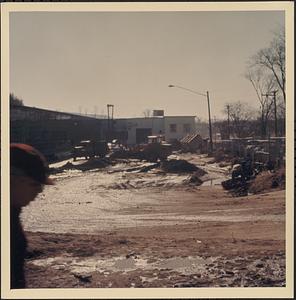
[(267, 181)]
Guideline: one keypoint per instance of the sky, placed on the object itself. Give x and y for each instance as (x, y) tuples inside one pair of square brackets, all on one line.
[(82, 61)]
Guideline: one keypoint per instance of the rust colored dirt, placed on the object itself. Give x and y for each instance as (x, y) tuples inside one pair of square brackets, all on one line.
[(111, 229)]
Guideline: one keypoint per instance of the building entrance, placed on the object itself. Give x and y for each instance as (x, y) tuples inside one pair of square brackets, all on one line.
[(141, 135)]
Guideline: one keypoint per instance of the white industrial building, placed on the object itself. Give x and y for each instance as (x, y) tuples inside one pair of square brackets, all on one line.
[(172, 127)]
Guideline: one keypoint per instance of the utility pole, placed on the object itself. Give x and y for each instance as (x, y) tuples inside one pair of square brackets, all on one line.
[(264, 127), (110, 128), (209, 110), (210, 123), (275, 110), (275, 114)]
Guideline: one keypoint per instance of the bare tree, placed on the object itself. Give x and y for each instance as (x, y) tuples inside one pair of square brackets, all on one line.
[(273, 59), (147, 113), (240, 115), (14, 100), (263, 84)]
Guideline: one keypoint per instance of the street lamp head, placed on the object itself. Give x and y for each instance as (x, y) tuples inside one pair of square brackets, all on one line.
[(171, 85)]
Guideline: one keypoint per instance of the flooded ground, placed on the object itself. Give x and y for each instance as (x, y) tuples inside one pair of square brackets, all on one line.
[(95, 200), (119, 227)]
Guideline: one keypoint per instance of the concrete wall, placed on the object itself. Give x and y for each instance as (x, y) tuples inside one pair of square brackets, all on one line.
[(183, 125)]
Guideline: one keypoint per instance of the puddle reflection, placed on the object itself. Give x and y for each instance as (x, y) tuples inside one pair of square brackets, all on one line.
[(184, 265)]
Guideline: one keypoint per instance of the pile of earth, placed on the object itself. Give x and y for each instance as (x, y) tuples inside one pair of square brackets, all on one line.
[(263, 182), (181, 166), (92, 163), (268, 180)]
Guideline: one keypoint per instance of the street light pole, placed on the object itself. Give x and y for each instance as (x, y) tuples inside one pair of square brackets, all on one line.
[(210, 123), (209, 110)]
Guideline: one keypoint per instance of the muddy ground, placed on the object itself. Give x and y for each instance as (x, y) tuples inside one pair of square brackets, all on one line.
[(115, 226)]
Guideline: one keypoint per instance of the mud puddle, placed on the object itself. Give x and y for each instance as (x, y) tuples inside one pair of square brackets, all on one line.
[(191, 271), (184, 265)]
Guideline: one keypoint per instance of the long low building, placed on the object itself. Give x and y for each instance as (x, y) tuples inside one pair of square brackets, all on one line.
[(54, 132), (51, 132)]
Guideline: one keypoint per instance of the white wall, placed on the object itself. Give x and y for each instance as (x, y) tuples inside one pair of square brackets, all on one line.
[(155, 123), (179, 121)]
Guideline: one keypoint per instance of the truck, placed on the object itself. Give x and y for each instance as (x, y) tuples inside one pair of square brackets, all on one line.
[(89, 149)]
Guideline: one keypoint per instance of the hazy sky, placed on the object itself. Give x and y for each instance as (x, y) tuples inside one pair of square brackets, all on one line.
[(82, 61)]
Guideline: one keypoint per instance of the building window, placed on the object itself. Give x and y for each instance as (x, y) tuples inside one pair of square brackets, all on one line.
[(186, 128), (173, 127)]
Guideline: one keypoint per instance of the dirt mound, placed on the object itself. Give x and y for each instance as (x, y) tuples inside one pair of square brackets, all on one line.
[(267, 180), (94, 163), (181, 166), (263, 182), (67, 166)]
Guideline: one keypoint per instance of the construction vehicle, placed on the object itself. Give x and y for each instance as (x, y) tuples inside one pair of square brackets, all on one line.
[(89, 149), (156, 148)]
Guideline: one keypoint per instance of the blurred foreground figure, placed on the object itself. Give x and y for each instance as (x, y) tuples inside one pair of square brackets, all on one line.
[(28, 173)]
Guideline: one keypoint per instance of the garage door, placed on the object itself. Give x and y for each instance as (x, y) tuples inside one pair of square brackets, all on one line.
[(141, 135)]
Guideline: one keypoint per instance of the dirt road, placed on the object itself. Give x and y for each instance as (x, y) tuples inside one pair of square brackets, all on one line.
[(113, 227)]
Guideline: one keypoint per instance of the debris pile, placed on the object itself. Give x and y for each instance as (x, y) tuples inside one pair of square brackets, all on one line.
[(193, 143), (181, 166), (268, 180), (93, 163), (236, 186), (67, 166), (263, 182), (193, 179)]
